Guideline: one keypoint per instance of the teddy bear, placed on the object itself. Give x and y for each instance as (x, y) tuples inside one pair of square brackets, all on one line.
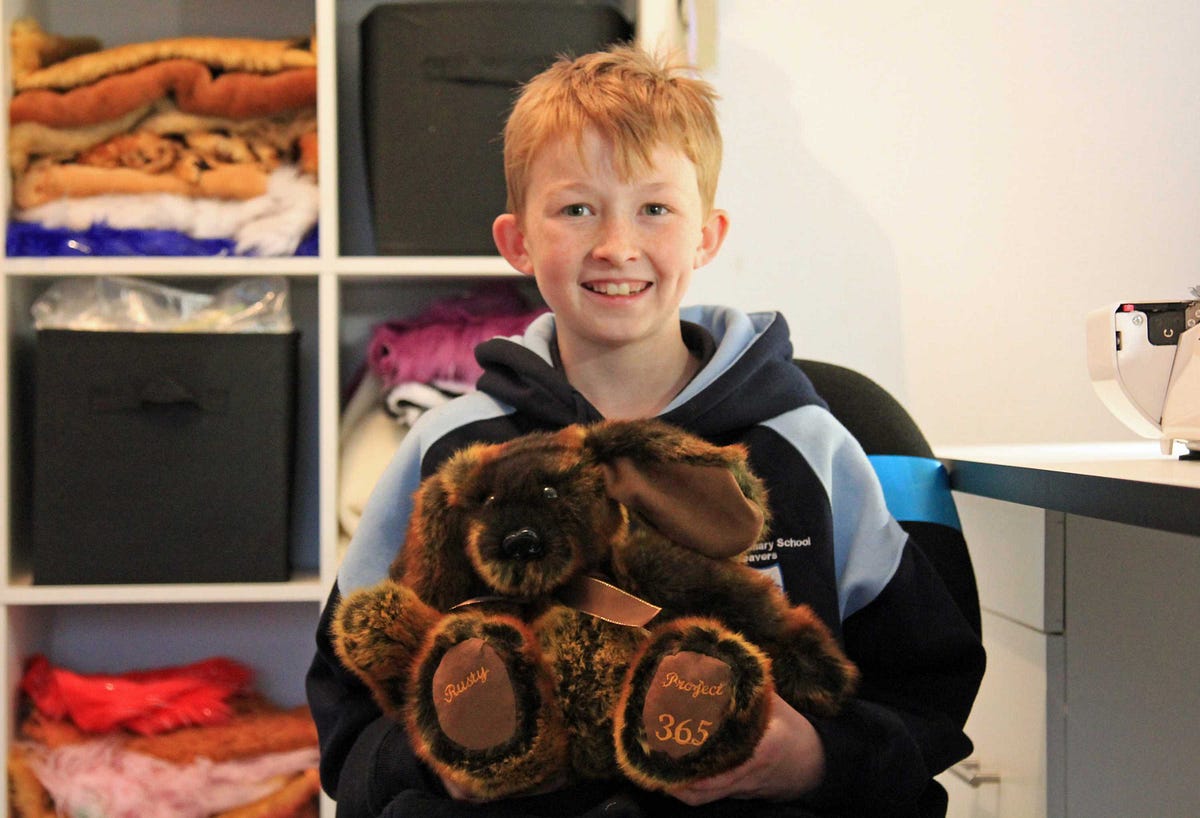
[(571, 605)]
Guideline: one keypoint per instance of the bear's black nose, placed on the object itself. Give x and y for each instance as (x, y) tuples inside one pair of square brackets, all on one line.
[(523, 544)]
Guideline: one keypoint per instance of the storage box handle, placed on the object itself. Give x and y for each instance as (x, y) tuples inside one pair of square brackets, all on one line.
[(159, 391), (476, 70), (166, 391)]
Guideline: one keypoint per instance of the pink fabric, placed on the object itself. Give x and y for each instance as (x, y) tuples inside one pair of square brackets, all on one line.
[(101, 779), (438, 345)]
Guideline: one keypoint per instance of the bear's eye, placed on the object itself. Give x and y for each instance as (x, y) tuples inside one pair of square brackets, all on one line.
[(548, 493), (491, 498)]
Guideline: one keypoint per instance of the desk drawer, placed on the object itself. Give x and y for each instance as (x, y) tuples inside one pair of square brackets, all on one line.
[(1017, 552), (1009, 725)]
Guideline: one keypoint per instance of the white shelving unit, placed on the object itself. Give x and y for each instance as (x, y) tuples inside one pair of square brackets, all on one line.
[(336, 297)]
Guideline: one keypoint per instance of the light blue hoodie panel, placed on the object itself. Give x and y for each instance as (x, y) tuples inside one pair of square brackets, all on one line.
[(867, 540), (733, 332)]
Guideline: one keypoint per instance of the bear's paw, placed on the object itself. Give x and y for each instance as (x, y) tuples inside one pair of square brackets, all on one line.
[(695, 704)]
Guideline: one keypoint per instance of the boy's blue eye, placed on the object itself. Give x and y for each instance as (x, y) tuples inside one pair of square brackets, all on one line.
[(576, 210), (656, 210)]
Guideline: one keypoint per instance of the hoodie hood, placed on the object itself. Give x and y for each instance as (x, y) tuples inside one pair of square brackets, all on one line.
[(748, 379)]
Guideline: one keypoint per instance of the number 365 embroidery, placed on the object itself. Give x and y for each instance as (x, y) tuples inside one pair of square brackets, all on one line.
[(682, 732)]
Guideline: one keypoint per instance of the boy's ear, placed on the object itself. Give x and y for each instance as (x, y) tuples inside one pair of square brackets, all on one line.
[(712, 236), (510, 241)]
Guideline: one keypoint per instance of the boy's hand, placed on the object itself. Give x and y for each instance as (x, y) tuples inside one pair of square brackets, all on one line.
[(788, 762), (460, 793)]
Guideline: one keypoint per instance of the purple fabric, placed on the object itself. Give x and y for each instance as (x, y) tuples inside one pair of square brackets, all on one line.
[(31, 239)]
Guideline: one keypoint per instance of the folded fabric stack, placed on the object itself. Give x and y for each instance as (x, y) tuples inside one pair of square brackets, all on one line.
[(187, 742), (209, 137)]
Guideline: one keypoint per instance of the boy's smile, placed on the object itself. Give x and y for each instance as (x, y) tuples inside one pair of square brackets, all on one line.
[(613, 256), (613, 288)]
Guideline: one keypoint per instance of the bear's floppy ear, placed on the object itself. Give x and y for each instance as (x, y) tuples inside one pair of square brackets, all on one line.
[(701, 496), (434, 562)]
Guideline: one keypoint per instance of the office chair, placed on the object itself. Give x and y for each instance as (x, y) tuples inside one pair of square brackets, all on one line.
[(915, 486), (915, 483)]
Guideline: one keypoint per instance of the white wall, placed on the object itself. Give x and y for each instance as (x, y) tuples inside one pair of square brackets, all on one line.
[(938, 192)]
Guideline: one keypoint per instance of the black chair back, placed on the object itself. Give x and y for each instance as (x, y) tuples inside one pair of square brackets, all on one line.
[(915, 483)]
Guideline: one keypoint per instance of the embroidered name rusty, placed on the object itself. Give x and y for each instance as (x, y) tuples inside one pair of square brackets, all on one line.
[(473, 678), (697, 688)]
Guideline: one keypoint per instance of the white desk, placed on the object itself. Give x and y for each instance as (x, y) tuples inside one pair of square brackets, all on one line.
[(1088, 563)]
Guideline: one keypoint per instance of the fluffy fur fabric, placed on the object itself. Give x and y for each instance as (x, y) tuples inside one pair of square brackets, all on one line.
[(273, 224), (479, 641), (437, 346), (120, 139), (102, 778)]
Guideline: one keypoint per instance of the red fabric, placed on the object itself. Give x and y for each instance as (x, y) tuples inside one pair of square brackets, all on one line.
[(146, 702)]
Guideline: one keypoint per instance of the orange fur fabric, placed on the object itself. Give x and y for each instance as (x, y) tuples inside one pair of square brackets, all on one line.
[(46, 181), (189, 117), (51, 61), (31, 48), (189, 83)]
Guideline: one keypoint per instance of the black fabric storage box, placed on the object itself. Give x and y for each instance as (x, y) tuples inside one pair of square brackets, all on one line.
[(438, 80), (162, 457)]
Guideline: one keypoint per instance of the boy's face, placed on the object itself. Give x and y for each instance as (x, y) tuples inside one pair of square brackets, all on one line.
[(613, 257)]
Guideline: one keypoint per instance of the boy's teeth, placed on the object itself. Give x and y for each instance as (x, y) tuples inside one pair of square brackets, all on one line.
[(613, 288)]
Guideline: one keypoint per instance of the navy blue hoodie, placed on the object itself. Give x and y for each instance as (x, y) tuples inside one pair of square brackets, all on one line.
[(832, 545)]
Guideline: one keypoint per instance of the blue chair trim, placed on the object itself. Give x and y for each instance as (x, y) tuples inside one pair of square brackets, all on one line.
[(917, 489)]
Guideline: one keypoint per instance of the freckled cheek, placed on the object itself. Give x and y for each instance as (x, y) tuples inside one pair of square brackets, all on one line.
[(558, 268), (560, 247), (672, 259)]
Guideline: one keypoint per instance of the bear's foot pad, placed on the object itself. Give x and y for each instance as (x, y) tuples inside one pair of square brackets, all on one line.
[(481, 710), (473, 696), (695, 704), (686, 702)]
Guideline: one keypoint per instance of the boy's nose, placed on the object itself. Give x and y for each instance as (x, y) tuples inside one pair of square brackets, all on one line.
[(616, 242)]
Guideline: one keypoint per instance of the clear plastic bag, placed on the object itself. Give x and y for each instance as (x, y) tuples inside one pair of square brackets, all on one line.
[(258, 304)]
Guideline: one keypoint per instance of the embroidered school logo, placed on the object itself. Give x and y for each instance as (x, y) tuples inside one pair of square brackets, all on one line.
[(765, 555)]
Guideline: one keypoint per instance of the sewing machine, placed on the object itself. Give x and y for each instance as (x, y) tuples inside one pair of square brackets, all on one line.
[(1144, 362)]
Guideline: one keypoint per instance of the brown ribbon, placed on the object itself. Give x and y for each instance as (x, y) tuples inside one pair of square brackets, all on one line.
[(595, 597), (598, 598)]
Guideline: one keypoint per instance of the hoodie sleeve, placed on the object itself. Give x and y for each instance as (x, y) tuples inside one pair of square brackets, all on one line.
[(921, 660), (366, 758), (921, 665)]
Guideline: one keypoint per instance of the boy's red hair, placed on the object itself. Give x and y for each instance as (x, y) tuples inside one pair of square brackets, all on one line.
[(633, 99)]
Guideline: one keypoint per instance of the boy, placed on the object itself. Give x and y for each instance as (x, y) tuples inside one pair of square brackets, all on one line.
[(611, 162)]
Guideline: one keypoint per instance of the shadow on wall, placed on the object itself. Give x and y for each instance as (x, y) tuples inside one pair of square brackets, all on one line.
[(800, 241)]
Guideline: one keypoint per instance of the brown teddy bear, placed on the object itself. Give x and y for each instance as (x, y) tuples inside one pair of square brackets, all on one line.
[(570, 605)]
